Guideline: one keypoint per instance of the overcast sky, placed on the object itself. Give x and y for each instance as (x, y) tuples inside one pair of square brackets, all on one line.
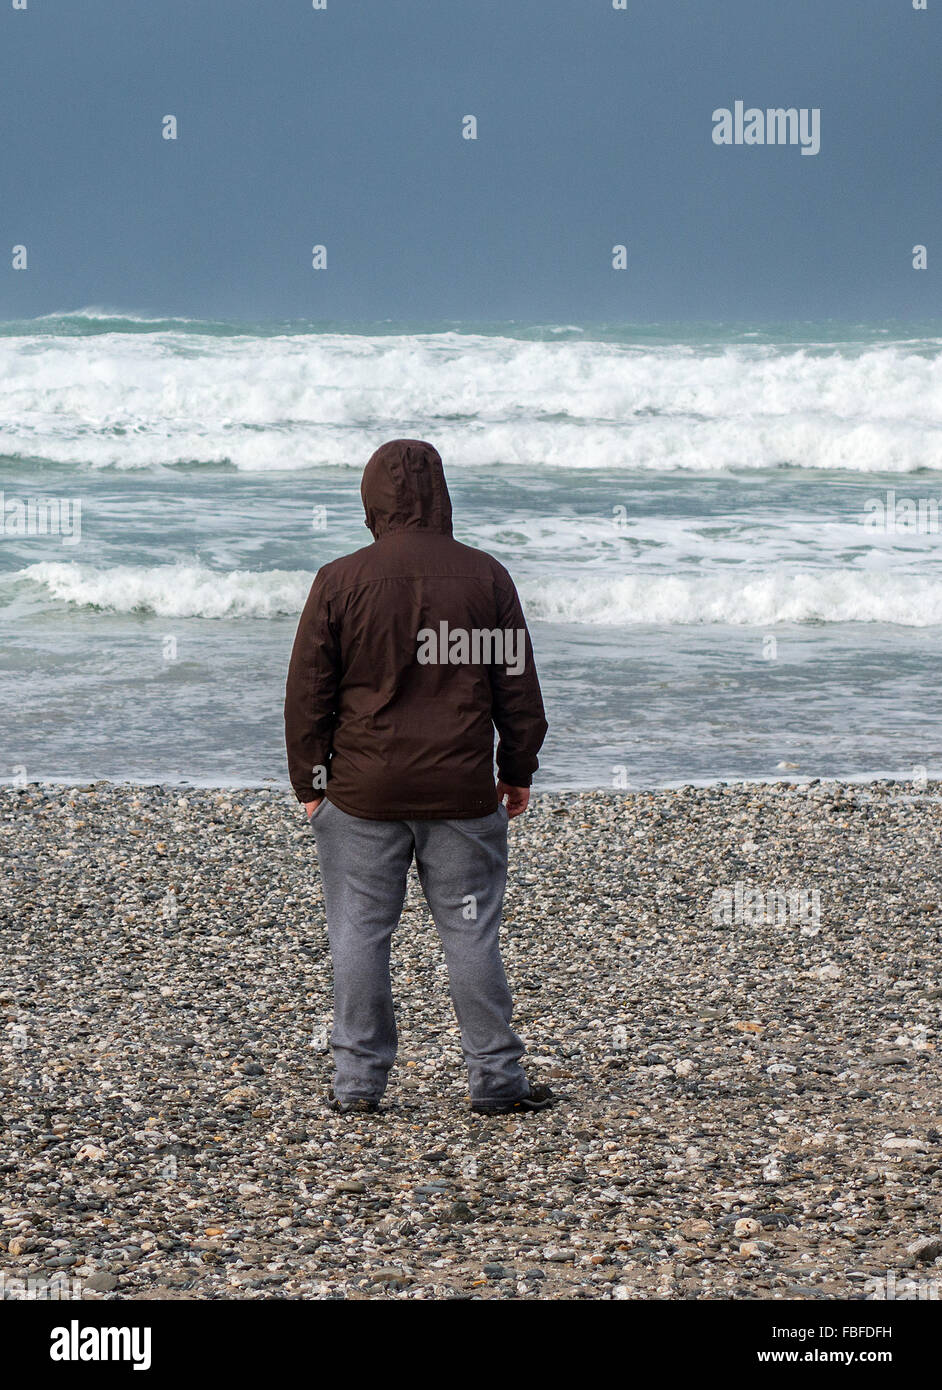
[(343, 127)]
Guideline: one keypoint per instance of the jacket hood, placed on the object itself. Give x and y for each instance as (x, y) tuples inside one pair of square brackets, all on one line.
[(404, 489)]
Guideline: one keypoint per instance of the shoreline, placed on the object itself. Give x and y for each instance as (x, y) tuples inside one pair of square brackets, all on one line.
[(883, 778), (751, 1107)]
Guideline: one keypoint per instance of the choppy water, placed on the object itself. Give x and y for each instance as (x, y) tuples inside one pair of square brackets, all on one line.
[(683, 509)]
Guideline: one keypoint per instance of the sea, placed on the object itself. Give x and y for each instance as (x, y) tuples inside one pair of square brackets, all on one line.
[(726, 536)]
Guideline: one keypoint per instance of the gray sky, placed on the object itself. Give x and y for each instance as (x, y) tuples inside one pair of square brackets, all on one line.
[(343, 127)]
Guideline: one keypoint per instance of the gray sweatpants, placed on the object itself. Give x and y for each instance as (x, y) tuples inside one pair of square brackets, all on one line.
[(462, 866)]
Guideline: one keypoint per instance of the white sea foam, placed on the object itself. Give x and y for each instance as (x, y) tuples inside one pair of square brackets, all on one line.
[(94, 313), (173, 591), (295, 401), (734, 595), (737, 597)]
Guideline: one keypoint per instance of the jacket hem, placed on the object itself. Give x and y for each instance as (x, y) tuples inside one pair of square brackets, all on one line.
[(413, 813)]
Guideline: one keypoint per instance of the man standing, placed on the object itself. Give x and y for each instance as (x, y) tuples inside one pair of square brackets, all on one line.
[(409, 652)]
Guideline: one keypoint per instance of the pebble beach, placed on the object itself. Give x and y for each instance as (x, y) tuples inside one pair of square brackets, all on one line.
[(735, 989)]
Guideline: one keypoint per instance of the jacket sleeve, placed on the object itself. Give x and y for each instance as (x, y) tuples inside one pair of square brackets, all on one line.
[(517, 702), (311, 695)]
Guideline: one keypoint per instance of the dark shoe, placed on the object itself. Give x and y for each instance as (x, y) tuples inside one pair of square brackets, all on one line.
[(359, 1105), (537, 1098)]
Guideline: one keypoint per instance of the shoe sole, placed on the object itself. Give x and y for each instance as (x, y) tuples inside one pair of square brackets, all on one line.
[(359, 1106)]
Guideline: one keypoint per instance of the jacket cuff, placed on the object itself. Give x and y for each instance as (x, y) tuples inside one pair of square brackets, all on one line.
[(514, 776), (305, 794)]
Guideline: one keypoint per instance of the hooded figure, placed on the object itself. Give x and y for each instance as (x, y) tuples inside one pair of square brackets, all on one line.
[(409, 653)]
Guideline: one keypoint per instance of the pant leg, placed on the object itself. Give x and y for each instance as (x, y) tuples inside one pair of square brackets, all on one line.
[(462, 867), (363, 864)]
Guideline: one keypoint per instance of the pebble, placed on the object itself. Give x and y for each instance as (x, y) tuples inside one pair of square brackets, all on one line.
[(925, 1249)]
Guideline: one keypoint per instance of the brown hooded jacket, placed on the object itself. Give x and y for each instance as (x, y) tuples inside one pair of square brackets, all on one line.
[(392, 707)]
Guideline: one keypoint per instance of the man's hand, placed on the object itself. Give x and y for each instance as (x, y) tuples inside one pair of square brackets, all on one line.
[(311, 806), (518, 798)]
